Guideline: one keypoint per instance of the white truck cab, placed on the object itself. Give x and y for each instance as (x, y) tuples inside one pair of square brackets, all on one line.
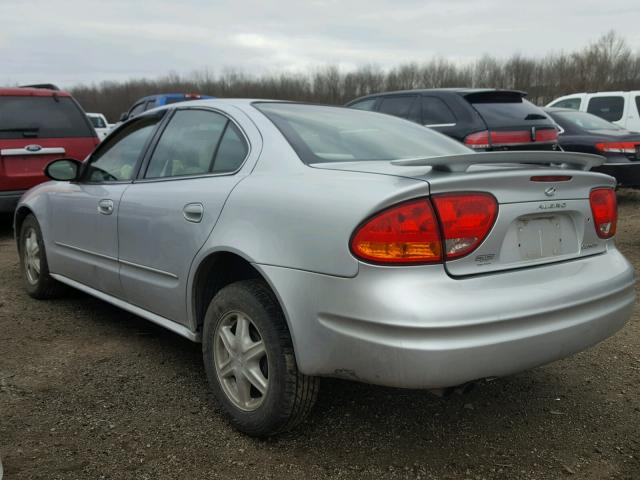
[(621, 108)]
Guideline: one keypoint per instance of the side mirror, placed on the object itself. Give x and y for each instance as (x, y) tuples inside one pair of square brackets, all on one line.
[(63, 170), (124, 116)]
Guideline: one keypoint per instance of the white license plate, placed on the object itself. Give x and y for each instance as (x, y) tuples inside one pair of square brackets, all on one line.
[(539, 237)]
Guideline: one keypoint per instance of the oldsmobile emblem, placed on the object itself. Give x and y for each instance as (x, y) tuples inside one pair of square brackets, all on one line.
[(550, 191)]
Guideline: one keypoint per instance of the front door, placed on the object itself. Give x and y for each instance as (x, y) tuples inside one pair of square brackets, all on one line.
[(167, 215), (84, 243)]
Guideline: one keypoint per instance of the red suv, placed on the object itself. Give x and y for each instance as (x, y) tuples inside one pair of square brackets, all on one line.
[(38, 125)]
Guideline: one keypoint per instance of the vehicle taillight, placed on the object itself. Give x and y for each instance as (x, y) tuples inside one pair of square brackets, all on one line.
[(405, 233), (604, 208), (466, 219), (617, 147), (550, 178), (409, 233), (503, 138)]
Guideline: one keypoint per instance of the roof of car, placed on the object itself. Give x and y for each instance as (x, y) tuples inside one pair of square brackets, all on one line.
[(31, 92), (457, 90)]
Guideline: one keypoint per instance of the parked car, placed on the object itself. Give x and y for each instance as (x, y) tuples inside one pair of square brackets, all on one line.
[(297, 241), (100, 124), (153, 101), (621, 108), (584, 132), (483, 119), (36, 126)]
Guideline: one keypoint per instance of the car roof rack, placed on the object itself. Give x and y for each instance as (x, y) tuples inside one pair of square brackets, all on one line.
[(45, 86), (460, 163)]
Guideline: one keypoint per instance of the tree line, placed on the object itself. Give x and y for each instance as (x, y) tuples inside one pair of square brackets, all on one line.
[(606, 64)]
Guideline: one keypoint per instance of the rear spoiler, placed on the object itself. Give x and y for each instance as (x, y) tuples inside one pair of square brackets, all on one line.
[(45, 86), (460, 163)]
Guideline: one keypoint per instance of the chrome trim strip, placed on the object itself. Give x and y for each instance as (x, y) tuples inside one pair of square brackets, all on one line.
[(152, 317), (440, 125), (88, 252), (150, 269), (14, 152)]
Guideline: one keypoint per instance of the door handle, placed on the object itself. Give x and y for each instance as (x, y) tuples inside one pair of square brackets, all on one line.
[(105, 206), (193, 212)]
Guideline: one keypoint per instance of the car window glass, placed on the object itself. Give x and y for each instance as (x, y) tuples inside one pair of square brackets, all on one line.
[(586, 121), (41, 117), (609, 108), (398, 106), (231, 152), (136, 110), (187, 145), (436, 112), (97, 122), (116, 159), (364, 104), (149, 105), (573, 103), (638, 103)]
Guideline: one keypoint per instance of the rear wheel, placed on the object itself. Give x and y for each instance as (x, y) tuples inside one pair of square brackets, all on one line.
[(33, 262), (250, 364)]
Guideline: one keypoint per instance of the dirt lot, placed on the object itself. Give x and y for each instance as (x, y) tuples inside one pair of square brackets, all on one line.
[(88, 391)]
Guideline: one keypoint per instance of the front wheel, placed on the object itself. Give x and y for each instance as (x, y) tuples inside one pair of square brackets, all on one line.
[(250, 363), (33, 262)]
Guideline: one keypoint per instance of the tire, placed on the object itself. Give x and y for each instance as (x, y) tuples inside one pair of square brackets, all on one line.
[(239, 317), (33, 264)]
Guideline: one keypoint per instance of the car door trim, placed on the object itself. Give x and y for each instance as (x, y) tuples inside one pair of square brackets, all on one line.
[(88, 252), (149, 269), (147, 315), (431, 125)]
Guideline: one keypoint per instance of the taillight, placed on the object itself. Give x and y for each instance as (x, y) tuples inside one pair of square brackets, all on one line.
[(409, 233), (466, 219), (405, 233), (550, 178), (617, 147), (604, 208), (502, 138)]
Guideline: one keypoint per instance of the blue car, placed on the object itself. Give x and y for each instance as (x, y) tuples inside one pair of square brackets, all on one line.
[(153, 101)]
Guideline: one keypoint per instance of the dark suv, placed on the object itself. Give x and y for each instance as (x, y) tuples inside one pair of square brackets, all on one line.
[(38, 125), (483, 119)]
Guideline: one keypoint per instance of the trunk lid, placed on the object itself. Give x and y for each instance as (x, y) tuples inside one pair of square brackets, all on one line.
[(538, 222)]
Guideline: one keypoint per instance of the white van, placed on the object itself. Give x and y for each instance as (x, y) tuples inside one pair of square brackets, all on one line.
[(621, 108)]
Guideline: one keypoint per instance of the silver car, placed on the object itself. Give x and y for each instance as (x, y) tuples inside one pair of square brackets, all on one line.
[(299, 241)]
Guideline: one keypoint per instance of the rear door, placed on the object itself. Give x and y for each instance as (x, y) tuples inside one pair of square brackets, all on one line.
[(168, 213), (34, 130), (436, 114), (403, 106)]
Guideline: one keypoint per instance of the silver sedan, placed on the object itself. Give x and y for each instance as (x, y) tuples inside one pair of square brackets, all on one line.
[(299, 241)]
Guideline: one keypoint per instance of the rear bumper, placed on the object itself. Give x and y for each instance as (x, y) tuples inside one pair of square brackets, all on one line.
[(627, 174), (418, 328), (9, 200)]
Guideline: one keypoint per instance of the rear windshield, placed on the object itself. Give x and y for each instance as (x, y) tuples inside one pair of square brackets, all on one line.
[(321, 134), (584, 121), (41, 117), (504, 109)]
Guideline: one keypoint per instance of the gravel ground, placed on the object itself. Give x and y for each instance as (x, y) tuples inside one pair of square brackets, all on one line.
[(90, 392)]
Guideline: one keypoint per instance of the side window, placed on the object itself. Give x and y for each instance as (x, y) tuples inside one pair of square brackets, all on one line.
[(116, 159), (397, 105), (436, 112), (136, 110), (638, 103), (609, 108), (231, 152), (149, 105), (364, 104), (573, 103), (188, 144)]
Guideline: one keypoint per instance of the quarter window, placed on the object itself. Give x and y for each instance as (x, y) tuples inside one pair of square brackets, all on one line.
[(116, 159), (197, 142), (609, 108), (436, 112), (399, 106), (136, 110)]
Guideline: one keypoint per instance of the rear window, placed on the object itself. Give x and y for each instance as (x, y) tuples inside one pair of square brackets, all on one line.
[(573, 103), (609, 108), (584, 121), (42, 117), (170, 100), (505, 109), (322, 134)]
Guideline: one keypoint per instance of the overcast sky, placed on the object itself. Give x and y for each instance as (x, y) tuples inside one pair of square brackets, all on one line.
[(82, 41)]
